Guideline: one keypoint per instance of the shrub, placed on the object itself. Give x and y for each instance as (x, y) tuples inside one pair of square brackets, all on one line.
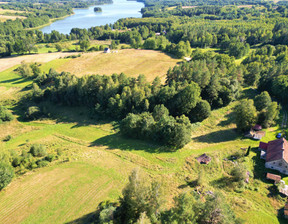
[(239, 173), (38, 150), (42, 163), (6, 174), (33, 113), (50, 158), (16, 161), (5, 115)]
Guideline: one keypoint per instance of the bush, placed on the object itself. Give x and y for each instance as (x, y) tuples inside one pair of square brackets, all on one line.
[(239, 174), (17, 161), (38, 150), (50, 158), (6, 174), (42, 163), (33, 113), (5, 115)]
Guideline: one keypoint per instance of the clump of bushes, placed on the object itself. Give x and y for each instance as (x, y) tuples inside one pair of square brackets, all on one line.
[(158, 126), (31, 70), (239, 175), (6, 174), (30, 160), (73, 56), (33, 113), (50, 158), (42, 163), (5, 114), (38, 150)]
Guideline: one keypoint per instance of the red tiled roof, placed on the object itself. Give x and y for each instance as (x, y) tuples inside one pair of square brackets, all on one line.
[(274, 177), (263, 145), (276, 150)]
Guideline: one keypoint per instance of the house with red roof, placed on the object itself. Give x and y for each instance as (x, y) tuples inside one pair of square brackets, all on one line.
[(276, 154)]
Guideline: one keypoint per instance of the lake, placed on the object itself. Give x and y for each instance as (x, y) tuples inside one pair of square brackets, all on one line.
[(86, 18)]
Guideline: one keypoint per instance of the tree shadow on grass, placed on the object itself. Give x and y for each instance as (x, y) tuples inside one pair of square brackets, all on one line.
[(222, 182), (86, 219), (116, 141), (280, 216), (19, 80), (259, 166), (218, 136), (230, 118)]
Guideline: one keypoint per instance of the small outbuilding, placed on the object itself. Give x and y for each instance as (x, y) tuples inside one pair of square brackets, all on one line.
[(204, 159), (107, 50), (275, 178), (258, 135)]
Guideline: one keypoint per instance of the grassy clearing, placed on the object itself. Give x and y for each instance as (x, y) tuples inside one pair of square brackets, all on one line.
[(131, 62), (9, 62), (100, 161), (3, 18)]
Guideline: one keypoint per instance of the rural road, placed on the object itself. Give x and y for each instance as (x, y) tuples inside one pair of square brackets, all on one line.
[(11, 61)]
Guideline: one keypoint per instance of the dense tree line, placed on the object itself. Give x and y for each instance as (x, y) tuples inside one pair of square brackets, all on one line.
[(217, 76), (117, 95), (267, 68)]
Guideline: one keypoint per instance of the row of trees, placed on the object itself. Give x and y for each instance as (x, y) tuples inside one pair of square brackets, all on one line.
[(117, 95)]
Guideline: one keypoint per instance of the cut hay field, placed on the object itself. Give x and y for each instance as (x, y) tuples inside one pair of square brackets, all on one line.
[(130, 61), (96, 162), (3, 18), (8, 62)]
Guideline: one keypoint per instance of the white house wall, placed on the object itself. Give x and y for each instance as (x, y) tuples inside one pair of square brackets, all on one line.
[(280, 165)]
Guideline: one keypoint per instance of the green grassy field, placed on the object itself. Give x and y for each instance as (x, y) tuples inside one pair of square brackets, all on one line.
[(130, 61), (97, 161)]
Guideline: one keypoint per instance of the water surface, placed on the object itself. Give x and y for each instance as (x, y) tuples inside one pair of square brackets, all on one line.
[(86, 18)]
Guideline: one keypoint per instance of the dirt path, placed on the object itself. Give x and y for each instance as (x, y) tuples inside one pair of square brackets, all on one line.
[(11, 61)]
